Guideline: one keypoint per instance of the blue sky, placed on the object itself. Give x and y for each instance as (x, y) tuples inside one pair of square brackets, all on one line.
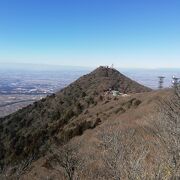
[(128, 33)]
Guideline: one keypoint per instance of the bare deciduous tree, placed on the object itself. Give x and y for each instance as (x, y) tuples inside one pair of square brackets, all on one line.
[(14, 172), (68, 160), (167, 124), (121, 157)]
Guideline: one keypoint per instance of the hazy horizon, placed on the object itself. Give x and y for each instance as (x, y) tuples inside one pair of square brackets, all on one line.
[(147, 77), (39, 66)]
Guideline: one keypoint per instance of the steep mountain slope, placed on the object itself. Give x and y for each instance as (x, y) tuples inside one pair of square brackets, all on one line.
[(32, 130), (130, 118)]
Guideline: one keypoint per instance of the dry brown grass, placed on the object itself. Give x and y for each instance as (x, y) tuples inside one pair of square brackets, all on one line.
[(146, 156)]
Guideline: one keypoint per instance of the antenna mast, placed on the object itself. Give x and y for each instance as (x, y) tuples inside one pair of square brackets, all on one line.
[(161, 82)]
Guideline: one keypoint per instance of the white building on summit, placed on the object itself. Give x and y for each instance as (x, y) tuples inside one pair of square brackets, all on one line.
[(116, 93)]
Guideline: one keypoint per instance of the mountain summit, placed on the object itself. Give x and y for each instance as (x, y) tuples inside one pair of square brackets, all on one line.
[(31, 130), (105, 78)]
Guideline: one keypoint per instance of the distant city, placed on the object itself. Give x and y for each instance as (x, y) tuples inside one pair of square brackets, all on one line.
[(19, 88)]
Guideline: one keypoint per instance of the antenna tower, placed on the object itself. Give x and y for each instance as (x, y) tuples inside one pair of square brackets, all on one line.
[(161, 82)]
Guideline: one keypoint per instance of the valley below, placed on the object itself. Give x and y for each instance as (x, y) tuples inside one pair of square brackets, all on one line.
[(9, 103), (19, 88)]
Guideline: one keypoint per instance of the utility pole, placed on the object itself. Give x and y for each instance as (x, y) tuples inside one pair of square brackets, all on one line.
[(161, 82)]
